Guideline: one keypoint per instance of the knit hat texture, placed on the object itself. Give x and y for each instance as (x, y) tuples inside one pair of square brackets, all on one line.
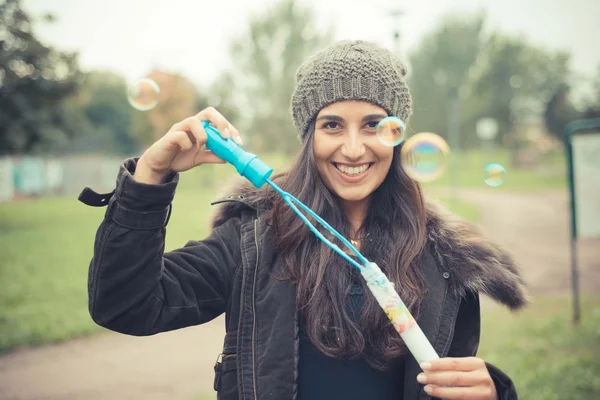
[(349, 70)]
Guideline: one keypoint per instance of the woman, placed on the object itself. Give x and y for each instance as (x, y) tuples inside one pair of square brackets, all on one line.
[(299, 322)]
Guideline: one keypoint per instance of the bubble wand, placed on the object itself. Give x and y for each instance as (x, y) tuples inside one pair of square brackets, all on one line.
[(257, 172)]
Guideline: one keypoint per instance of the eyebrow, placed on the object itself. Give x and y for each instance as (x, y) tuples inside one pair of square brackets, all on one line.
[(337, 118)]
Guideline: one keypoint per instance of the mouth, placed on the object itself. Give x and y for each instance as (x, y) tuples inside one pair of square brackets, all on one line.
[(352, 173)]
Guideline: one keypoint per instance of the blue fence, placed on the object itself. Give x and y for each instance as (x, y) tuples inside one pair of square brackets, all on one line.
[(30, 176)]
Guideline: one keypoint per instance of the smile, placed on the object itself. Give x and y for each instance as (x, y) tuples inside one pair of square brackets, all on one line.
[(353, 171)]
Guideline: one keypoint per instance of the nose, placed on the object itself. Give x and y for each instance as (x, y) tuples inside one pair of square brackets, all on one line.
[(353, 147)]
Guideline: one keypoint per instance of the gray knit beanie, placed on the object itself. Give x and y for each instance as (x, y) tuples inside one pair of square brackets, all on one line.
[(349, 70)]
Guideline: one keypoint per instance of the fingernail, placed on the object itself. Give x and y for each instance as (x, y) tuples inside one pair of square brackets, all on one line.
[(428, 389), (226, 133), (422, 378), (425, 365), (238, 140)]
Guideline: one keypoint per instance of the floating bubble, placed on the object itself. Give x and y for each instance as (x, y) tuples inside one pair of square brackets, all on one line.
[(425, 156), (493, 175), (143, 94), (391, 131)]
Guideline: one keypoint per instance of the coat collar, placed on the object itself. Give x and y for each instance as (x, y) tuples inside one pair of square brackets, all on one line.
[(472, 261)]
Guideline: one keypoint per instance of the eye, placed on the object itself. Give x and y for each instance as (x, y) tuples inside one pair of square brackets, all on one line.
[(371, 125), (331, 125)]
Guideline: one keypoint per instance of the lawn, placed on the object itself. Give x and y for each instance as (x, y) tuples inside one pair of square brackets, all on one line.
[(45, 250), (545, 355), (466, 170), (46, 245)]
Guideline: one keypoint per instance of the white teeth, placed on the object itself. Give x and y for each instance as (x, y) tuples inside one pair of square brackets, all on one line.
[(352, 170)]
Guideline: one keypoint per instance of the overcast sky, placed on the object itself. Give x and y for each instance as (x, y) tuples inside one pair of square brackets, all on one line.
[(191, 36)]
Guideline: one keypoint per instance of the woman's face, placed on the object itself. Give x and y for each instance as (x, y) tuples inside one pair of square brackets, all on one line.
[(351, 160)]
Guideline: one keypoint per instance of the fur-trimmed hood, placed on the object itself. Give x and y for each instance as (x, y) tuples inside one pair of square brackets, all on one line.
[(476, 263)]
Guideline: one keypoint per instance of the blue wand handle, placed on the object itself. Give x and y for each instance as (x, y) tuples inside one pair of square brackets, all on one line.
[(247, 164)]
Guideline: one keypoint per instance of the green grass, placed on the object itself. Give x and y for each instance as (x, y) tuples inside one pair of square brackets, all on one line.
[(46, 245), (466, 170), (45, 250), (463, 209), (547, 357)]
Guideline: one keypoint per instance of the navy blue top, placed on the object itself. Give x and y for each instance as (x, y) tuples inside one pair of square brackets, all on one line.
[(324, 378)]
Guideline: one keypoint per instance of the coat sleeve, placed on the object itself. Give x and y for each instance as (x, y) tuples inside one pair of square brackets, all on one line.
[(134, 287), (466, 343)]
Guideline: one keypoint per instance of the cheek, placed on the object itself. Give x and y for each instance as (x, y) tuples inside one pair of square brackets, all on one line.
[(385, 162), (323, 148), (385, 155)]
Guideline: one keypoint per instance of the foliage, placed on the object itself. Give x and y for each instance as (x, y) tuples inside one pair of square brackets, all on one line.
[(35, 81), (559, 112), (102, 100), (494, 75), (266, 60), (442, 65), (177, 100), (517, 79)]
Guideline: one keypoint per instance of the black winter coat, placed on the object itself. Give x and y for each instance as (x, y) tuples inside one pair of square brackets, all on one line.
[(137, 289)]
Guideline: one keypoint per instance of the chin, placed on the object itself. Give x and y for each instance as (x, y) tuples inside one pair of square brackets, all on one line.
[(351, 196)]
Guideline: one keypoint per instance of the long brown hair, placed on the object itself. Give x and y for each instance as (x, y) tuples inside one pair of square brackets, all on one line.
[(395, 221)]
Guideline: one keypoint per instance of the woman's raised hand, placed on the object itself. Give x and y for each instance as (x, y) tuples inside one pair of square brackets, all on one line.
[(182, 147)]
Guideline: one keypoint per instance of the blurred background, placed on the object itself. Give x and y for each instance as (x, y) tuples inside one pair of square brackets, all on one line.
[(498, 81)]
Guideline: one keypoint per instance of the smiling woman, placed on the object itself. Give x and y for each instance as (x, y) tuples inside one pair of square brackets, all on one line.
[(351, 160), (300, 322)]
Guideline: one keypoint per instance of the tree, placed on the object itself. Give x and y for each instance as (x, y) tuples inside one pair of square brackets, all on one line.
[(35, 81), (221, 94), (177, 101), (494, 75), (517, 78), (559, 111), (266, 60), (442, 66), (103, 100), (592, 109)]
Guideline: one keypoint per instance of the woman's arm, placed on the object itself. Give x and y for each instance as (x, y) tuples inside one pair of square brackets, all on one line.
[(134, 287)]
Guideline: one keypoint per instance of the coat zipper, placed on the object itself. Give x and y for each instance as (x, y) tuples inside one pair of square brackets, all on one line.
[(254, 310)]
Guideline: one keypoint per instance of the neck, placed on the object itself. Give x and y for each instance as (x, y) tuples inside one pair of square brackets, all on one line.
[(356, 212)]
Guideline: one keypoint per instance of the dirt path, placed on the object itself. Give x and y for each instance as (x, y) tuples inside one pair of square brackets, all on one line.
[(535, 228), (175, 365), (178, 365)]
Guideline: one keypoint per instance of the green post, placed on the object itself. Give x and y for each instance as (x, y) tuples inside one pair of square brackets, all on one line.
[(570, 130)]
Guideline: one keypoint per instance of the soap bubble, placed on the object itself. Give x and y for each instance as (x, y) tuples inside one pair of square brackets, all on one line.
[(493, 175), (143, 94), (425, 156), (391, 131)]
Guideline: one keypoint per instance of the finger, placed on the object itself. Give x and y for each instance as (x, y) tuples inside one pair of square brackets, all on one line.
[(208, 157), (198, 131), (235, 135), (217, 120), (454, 378), (195, 129), (453, 364), (183, 140), (460, 393)]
